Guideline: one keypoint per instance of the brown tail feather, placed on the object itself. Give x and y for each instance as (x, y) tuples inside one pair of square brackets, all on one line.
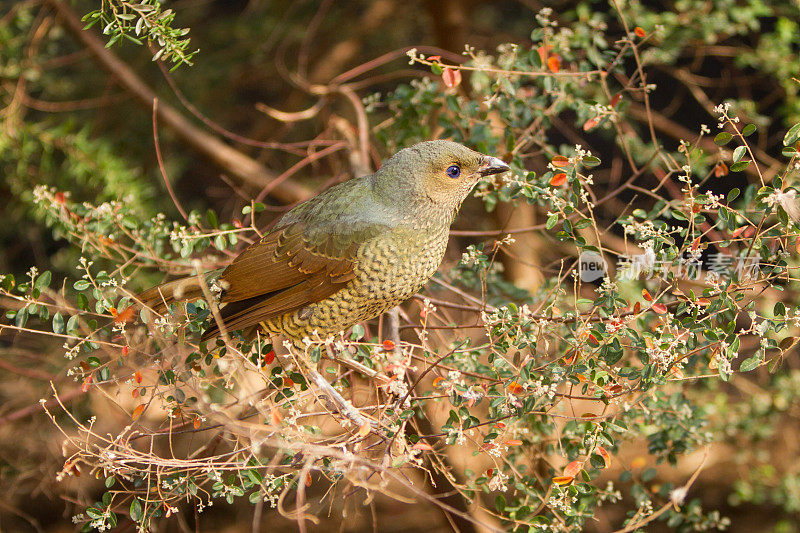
[(161, 296)]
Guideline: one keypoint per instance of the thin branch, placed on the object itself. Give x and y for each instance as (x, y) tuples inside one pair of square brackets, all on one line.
[(163, 170)]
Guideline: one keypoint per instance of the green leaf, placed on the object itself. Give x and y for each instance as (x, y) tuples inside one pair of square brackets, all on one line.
[(81, 285), (21, 317), (749, 130), (648, 474), (612, 356), (792, 135), (733, 194), (43, 281), (136, 510), (738, 167), (358, 332), (723, 138), (211, 217), (72, 323), (750, 364), (590, 161), (132, 38), (510, 141), (500, 503), (58, 323), (738, 154), (551, 221)]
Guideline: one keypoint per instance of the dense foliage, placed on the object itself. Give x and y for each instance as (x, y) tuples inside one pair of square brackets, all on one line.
[(656, 143)]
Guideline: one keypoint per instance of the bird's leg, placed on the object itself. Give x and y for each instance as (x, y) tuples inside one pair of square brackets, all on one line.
[(393, 333), (393, 316)]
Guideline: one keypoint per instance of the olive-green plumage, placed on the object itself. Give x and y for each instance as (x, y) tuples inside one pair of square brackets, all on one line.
[(350, 253)]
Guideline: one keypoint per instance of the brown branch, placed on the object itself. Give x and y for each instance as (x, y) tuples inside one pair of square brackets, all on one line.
[(676, 499), (161, 167), (31, 409), (32, 373)]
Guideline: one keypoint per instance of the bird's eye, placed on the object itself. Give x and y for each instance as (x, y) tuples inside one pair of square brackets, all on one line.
[(454, 171)]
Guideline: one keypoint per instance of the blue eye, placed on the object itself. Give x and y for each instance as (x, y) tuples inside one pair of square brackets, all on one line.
[(453, 171)]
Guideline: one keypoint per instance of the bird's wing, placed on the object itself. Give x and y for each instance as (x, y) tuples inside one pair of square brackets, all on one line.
[(289, 268), (285, 258)]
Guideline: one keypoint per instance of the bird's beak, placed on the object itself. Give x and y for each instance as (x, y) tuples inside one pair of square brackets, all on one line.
[(492, 165)]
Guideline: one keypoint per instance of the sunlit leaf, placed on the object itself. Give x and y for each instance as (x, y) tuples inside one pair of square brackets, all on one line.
[(591, 123), (124, 316), (451, 77), (572, 469), (137, 412), (792, 135), (515, 388), (602, 452), (87, 383), (739, 153), (723, 138)]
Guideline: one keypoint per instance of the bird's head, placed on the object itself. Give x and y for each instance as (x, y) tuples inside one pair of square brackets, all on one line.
[(442, 172)]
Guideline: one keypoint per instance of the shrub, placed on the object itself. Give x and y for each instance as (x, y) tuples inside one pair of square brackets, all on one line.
[(543, 392)]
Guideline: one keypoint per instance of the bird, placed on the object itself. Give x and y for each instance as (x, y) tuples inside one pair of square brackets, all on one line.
[(348, 254)]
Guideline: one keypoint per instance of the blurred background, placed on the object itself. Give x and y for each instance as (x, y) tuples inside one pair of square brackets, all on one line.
[(258, 114)]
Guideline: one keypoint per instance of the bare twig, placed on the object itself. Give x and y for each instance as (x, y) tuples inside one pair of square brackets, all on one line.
[(677, 497), (163, 170)]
